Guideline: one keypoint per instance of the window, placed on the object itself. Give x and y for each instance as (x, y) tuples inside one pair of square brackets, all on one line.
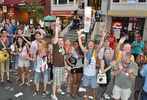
[(62, 1), (54, 2), (71, 1), (141, 0), (128, 1), (116, 1)]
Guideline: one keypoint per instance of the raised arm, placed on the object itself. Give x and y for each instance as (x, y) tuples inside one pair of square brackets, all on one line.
[(121, 41), (80, 42), (56, 30), (26, 40), (101, 42)]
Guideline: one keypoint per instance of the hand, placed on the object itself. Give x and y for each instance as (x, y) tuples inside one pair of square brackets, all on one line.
[(121, 41), (72, 66), (3, 49), (80, 31), (112, 63), (27, 57), (104, 34), (120, 66), (131, 71), (57, 21)]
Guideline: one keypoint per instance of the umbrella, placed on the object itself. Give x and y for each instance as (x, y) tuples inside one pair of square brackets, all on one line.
[(49, 19)]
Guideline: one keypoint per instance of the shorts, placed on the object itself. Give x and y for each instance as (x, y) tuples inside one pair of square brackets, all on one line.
[(35, 66), (143, 95), (16, 62), (77, 70), (25, 63), (118, 93), (58, 75), (90, 80), (44, 76), (139, 82)]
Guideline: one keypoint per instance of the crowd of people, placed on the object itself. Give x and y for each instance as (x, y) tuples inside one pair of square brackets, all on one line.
[(123, 64)]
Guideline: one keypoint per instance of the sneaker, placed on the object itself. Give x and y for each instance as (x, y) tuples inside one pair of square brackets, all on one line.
[(106, 96), (60, 91), (54, 97)]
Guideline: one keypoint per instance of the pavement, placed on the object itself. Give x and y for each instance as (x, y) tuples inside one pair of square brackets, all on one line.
[(9, 90)]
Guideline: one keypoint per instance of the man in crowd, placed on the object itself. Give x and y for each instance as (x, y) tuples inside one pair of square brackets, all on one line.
[(125, 72), (58, 62)]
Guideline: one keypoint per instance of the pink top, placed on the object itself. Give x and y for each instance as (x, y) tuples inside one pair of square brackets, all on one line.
[(22, 53), (34, 47)]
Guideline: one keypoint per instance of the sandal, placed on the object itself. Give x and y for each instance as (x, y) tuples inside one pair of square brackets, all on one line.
[(37, 92), (44, 94)]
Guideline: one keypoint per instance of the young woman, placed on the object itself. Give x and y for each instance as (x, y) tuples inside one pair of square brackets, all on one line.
[(89, 77), (22, 50), (42, 67), (106, 68), (68, 48), (77, 69)]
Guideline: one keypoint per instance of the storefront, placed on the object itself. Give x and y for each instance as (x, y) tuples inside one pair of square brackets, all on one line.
[(131, 25), (65, 17)]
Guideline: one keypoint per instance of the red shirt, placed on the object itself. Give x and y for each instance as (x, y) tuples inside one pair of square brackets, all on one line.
[(112, 40)]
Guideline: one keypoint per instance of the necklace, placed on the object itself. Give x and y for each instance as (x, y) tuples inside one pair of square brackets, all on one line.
[(126, 68)]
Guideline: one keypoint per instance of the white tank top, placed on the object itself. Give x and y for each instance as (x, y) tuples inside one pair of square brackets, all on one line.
[(90, 67)]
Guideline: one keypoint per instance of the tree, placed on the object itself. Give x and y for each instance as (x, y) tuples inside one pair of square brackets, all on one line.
[(32, 8)]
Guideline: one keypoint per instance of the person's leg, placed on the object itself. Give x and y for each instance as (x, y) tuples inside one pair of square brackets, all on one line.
[(7, 69), (73, 85), (51, 72), (36, 82), (68, 80), (94, 93), (18, 72), (136, 95), (28, 75), (87, 92), (79, 77), (54, 81), (2, 64), (22, 75)]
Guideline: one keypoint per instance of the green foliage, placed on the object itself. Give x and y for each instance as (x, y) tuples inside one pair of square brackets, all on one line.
[(33, 8)]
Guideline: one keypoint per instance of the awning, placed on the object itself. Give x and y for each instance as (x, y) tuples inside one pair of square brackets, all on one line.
[(17, 2), (127, 13)]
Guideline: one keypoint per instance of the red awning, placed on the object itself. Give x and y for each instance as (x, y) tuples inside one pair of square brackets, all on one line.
[(17, 2)]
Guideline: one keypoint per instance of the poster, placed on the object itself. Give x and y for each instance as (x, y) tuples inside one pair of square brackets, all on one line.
[(87, 19), (117, 33)]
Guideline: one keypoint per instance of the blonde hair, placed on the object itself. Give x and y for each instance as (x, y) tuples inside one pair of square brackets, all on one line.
[(43, 43)]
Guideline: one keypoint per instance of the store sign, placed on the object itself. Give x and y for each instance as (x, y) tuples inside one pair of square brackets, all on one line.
[(5, 9), (87, 19), (65, 12)]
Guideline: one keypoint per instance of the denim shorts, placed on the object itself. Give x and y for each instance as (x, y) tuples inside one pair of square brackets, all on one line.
[(44, 76), (35, 66), (143, 95), (90, 80)]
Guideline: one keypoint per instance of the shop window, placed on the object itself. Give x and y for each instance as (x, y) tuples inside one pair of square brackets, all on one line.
[(141, 0), (54, 2), (71, 1), (62, 1), (116, 1)]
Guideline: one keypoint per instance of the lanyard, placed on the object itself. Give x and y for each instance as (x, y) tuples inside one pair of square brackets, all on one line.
[(7, 41), (90, 55), (107, 61), (138, 44), (42, 55), (127, 65)]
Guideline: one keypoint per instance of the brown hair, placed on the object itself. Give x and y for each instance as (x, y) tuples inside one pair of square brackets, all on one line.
[(90, 41)]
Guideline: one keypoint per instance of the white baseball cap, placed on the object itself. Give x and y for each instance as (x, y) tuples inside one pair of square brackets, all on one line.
[(83, 35)]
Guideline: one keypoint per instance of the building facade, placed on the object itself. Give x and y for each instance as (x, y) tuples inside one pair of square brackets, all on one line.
[(128, 14)]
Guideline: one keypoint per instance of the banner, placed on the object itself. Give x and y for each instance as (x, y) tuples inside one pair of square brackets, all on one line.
[(87, 20)]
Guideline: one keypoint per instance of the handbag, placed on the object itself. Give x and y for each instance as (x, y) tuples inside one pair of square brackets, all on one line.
[(4, 55), (72, 60), (101, 78)]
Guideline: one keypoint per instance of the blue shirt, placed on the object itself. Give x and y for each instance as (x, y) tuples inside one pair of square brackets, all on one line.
[(144, 74), (137, 49)]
